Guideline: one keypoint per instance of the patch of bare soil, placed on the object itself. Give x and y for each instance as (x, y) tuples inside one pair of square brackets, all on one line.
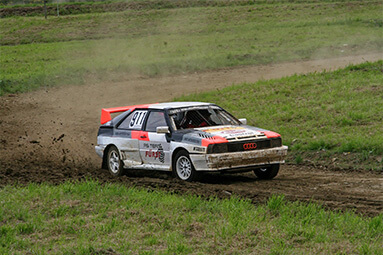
[(49, 136)]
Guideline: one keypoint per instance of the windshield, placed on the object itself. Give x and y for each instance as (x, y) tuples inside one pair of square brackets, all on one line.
[(201, 117)]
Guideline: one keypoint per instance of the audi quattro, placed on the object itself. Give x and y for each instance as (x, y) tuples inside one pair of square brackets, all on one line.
[(186, 138)]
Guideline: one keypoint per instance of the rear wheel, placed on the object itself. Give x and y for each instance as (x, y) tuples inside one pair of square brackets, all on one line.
[(267, 173), (183, 167), (113, 162)]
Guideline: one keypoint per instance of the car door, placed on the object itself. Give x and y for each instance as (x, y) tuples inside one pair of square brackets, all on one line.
[(155, 150), (129, 132)]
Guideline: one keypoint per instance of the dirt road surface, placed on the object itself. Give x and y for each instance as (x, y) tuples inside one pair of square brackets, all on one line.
[(49, 136)]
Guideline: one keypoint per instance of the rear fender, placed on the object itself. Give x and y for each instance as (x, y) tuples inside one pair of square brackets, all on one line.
[(104, 164)]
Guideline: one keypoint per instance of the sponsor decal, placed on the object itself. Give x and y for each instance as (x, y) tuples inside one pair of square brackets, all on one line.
[(231, 131), (191, 140), (214, 130), (161, 158), (123, 133), (159, 154), (240, 132), (152, 145), (249, 146), (190, 108)]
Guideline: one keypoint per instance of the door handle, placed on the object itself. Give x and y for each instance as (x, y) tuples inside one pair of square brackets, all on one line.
[(143, 136)]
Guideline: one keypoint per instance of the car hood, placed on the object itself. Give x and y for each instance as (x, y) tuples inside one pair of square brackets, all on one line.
[(231, 132)]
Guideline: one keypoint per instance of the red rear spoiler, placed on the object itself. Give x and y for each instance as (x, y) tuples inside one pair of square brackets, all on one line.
[(105, 113)]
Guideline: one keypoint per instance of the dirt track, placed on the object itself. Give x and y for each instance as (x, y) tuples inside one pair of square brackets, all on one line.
[(48, 135)]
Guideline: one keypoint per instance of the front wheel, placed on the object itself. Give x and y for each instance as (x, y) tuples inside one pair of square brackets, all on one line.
[(114, 163), (267, 173), (183, 167)]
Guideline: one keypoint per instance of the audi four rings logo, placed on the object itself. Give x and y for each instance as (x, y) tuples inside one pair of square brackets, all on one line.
[(250, 146)]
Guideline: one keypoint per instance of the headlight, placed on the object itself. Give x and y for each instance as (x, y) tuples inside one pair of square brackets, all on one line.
[(276, 142), (217, 148)]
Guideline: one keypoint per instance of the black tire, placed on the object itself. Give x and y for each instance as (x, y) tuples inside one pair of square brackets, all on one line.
[(113, 162), (183, 167), (267, 173)]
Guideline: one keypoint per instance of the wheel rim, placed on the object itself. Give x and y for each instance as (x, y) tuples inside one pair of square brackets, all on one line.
[(184, 167), (114, 162)]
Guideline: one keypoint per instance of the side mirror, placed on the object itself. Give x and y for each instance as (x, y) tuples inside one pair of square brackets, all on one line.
[(243, 121), (163, 130)]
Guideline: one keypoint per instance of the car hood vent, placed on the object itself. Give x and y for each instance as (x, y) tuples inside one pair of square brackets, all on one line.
[(205, 136)]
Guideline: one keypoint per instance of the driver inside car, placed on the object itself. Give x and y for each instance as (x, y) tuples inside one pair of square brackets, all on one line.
[(195, 119)]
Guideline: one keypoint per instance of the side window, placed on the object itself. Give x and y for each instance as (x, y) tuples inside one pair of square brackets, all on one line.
[(134, 120), (156, 119)]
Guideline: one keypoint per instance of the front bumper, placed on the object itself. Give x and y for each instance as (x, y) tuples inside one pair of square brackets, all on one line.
[(243, 159)]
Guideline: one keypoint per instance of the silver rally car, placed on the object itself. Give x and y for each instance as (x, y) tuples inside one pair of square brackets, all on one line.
[(186, 138)]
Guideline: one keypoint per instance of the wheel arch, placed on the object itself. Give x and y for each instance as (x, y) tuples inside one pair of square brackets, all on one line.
[(174, 153), (181, 171), (105, 155)]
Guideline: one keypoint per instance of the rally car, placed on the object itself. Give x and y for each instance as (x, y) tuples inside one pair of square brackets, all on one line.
[(186, 138)]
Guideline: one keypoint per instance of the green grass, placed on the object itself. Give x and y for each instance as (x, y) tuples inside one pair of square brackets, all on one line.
[(335, 112), (35, 3), (158, 3), (30, 3), (108, 46), (90, 218)]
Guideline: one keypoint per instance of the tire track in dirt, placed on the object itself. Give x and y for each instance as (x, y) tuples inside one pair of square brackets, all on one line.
[(49, 136)]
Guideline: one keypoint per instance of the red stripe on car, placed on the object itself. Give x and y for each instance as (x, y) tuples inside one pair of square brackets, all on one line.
[(271, 134), (140, 135), (212, 140)]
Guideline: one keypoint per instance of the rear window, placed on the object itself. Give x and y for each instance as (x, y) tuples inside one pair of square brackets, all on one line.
[(135, 120)]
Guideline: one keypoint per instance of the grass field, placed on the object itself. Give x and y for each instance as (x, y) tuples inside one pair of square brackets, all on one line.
[(90, 218), (108, 46), (330, 113)]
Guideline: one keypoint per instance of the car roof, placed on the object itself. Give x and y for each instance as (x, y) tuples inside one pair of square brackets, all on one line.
[(172, 105), (106, 117)]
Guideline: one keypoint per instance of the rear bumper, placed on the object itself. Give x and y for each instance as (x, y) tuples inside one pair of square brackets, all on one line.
[(100, 150), (243, 159)]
